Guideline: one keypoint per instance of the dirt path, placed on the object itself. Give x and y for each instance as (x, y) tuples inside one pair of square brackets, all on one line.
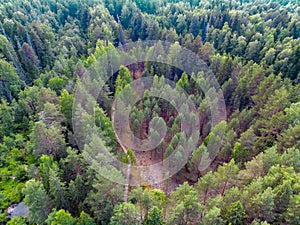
[(128, 171), (152, 173)]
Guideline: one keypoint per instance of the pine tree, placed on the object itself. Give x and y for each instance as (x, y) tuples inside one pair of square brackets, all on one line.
[(177, 217), (184, 207), (38, 202), (9, 81), (29, 61), (49, 141), (235, 214), (124, 78), (57, 190), (205, 186), (60, 217), (66, 105), (293, 212), (263, 205), (46, 164), (282, 197), (154, 217), (6, 119), (226, 176), (125, 213), (213, 217), (85, 219)]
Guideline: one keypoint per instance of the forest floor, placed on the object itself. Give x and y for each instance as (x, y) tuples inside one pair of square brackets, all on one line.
[(153, 172), (152, 175)]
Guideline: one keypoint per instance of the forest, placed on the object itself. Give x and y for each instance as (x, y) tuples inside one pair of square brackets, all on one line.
[(66, 157)]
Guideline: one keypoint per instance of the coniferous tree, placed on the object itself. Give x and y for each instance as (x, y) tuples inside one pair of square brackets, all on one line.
[(125, 213), (38, 202)]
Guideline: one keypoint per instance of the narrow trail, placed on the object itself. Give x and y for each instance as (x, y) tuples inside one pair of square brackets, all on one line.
[(147, 172), (128, 172)]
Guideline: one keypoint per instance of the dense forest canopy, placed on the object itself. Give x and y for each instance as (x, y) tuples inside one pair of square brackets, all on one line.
[(252, 47)]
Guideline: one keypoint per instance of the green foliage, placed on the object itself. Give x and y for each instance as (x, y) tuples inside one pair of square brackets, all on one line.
[(124, 78), (235, 214), (57, 84), (154, 217), (251, 47), (185, 206), (293, 214), (17, 221), (205, 185), (85, 219), (125, 213), (9, 81), (37, 200), (106, 127), (47, 140), (60, 217), (6, 119), (105, 194), (226, 176), (130, 156), (64, 217), (213, 216), (57, 190), (29, 61), (263, 205)]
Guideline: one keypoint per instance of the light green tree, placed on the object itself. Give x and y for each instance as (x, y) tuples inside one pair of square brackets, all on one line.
[(125, 213), (60, 217)]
